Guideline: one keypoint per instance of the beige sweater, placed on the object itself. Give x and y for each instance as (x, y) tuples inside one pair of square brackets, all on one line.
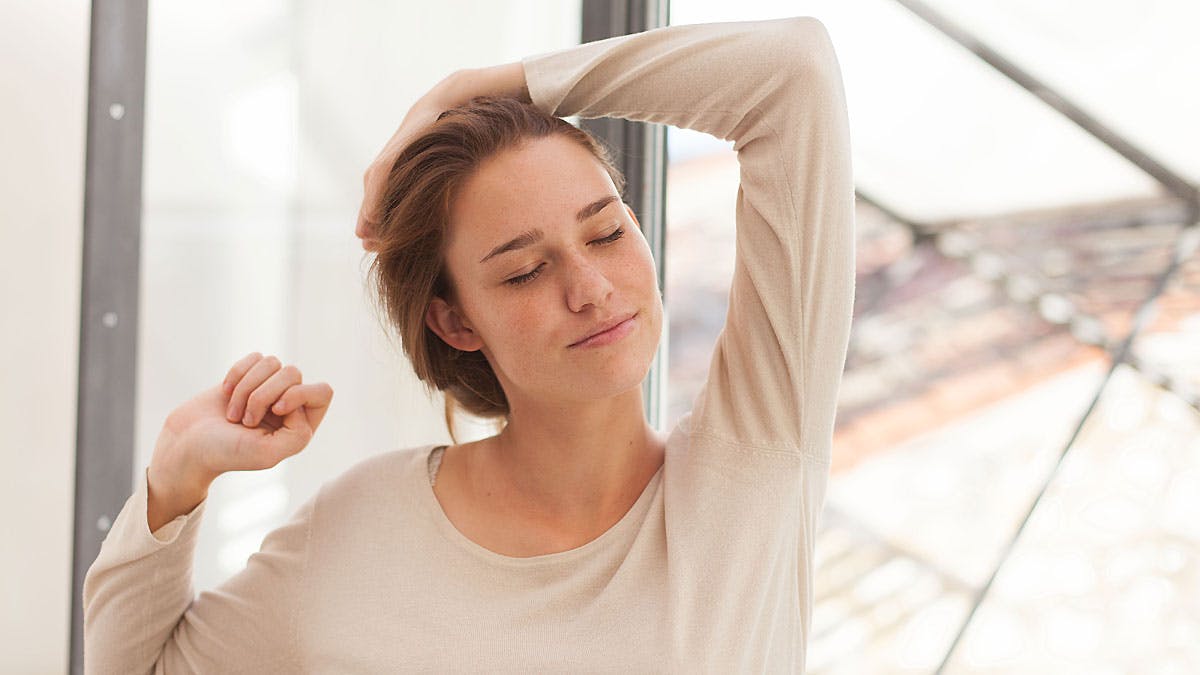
[(709, 571)]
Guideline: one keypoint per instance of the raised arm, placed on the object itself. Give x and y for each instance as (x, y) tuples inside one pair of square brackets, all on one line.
[(775, 89), (139, 611)]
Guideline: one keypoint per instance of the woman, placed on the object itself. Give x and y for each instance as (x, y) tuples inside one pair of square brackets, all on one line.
[(576, 539)]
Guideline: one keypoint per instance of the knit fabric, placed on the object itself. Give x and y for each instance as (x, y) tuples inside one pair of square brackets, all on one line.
[(711, 568)]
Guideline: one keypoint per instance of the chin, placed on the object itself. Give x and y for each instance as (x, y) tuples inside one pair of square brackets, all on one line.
[(620, 375)]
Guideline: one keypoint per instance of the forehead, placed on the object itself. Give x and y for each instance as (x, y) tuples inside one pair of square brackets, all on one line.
[(541, 183)]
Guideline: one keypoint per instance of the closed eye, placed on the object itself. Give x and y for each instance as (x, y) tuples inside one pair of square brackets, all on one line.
[(530, 276), (611, 238), (524, 278)]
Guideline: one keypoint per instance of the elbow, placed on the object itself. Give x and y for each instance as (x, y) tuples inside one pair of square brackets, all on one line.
[(808, 78), (792, 77), (804, 49)]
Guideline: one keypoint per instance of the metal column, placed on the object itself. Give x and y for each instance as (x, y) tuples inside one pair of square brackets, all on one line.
[(640, 151), (104, 436)]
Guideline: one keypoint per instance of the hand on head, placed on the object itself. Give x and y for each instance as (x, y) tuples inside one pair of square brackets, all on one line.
[(455, 89)]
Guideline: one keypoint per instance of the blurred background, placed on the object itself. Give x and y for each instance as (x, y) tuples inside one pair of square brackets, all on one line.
[(1016, 476)]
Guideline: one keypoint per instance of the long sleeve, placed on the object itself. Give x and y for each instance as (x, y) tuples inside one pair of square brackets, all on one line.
[(140, 615), (774, 88), (710, 572)]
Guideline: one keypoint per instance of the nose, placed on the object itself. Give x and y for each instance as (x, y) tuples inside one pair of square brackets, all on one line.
[(587, 285)]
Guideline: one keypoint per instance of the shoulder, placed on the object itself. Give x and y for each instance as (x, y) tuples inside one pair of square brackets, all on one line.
[(375, 499), (377, 477)]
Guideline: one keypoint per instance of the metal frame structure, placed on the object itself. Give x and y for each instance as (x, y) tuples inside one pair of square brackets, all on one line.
[(108, 321), (640, 152), (112, 237), (1188, 207), (1171, 181)]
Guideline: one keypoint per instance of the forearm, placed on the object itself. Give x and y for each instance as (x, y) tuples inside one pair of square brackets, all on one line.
[(507, 79), (141, 614), (707, 77), (136, 590), (773, 87)]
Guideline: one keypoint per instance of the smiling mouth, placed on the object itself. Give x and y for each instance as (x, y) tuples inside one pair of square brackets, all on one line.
[(609, 335)]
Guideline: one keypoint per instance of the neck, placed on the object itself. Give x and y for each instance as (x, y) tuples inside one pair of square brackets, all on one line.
[(578, 463)]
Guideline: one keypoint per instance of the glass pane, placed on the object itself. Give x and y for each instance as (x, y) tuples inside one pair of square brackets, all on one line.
[(1003, 256), (1126, 63), (1091, 273), (938, 134), (261, 118), (916, 520), (1106, 575), (1167, 350)]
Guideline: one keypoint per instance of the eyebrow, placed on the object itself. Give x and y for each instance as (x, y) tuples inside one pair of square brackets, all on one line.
[(530, 237)]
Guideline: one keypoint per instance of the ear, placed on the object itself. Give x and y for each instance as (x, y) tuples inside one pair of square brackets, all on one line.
[(446, 322)]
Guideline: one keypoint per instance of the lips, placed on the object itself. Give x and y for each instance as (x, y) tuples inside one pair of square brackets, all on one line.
[(604, 326)]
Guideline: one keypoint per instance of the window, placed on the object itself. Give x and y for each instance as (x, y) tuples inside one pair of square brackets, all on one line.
[(1004, 253)]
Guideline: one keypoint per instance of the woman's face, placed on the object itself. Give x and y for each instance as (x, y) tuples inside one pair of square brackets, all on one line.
[(543, 253)]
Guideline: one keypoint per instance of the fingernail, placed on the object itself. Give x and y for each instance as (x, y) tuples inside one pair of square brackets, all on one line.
[(231, 414), (246, 420)]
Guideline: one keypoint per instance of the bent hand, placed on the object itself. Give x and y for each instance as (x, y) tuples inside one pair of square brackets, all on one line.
[(261, 414), (459, 87)]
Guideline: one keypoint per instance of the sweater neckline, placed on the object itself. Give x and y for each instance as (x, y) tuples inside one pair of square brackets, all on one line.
[(443, 523)]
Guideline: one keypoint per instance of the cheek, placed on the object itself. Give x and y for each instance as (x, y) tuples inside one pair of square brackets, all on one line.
[(515, 317), (647, 271)]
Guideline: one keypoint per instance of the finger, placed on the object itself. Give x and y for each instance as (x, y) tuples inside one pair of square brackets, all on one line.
[(362, 229), (368, 211), (314, 398), (299, 425), (374, 189), (365, 232), (269, 392), (275, 446), (257, 374), (237, 371)]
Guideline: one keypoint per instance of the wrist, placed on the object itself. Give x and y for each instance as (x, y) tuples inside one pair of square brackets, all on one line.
[(173, 491), (166, 500)]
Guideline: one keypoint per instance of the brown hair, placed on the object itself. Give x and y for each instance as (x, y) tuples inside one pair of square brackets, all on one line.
[(409, 270)]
